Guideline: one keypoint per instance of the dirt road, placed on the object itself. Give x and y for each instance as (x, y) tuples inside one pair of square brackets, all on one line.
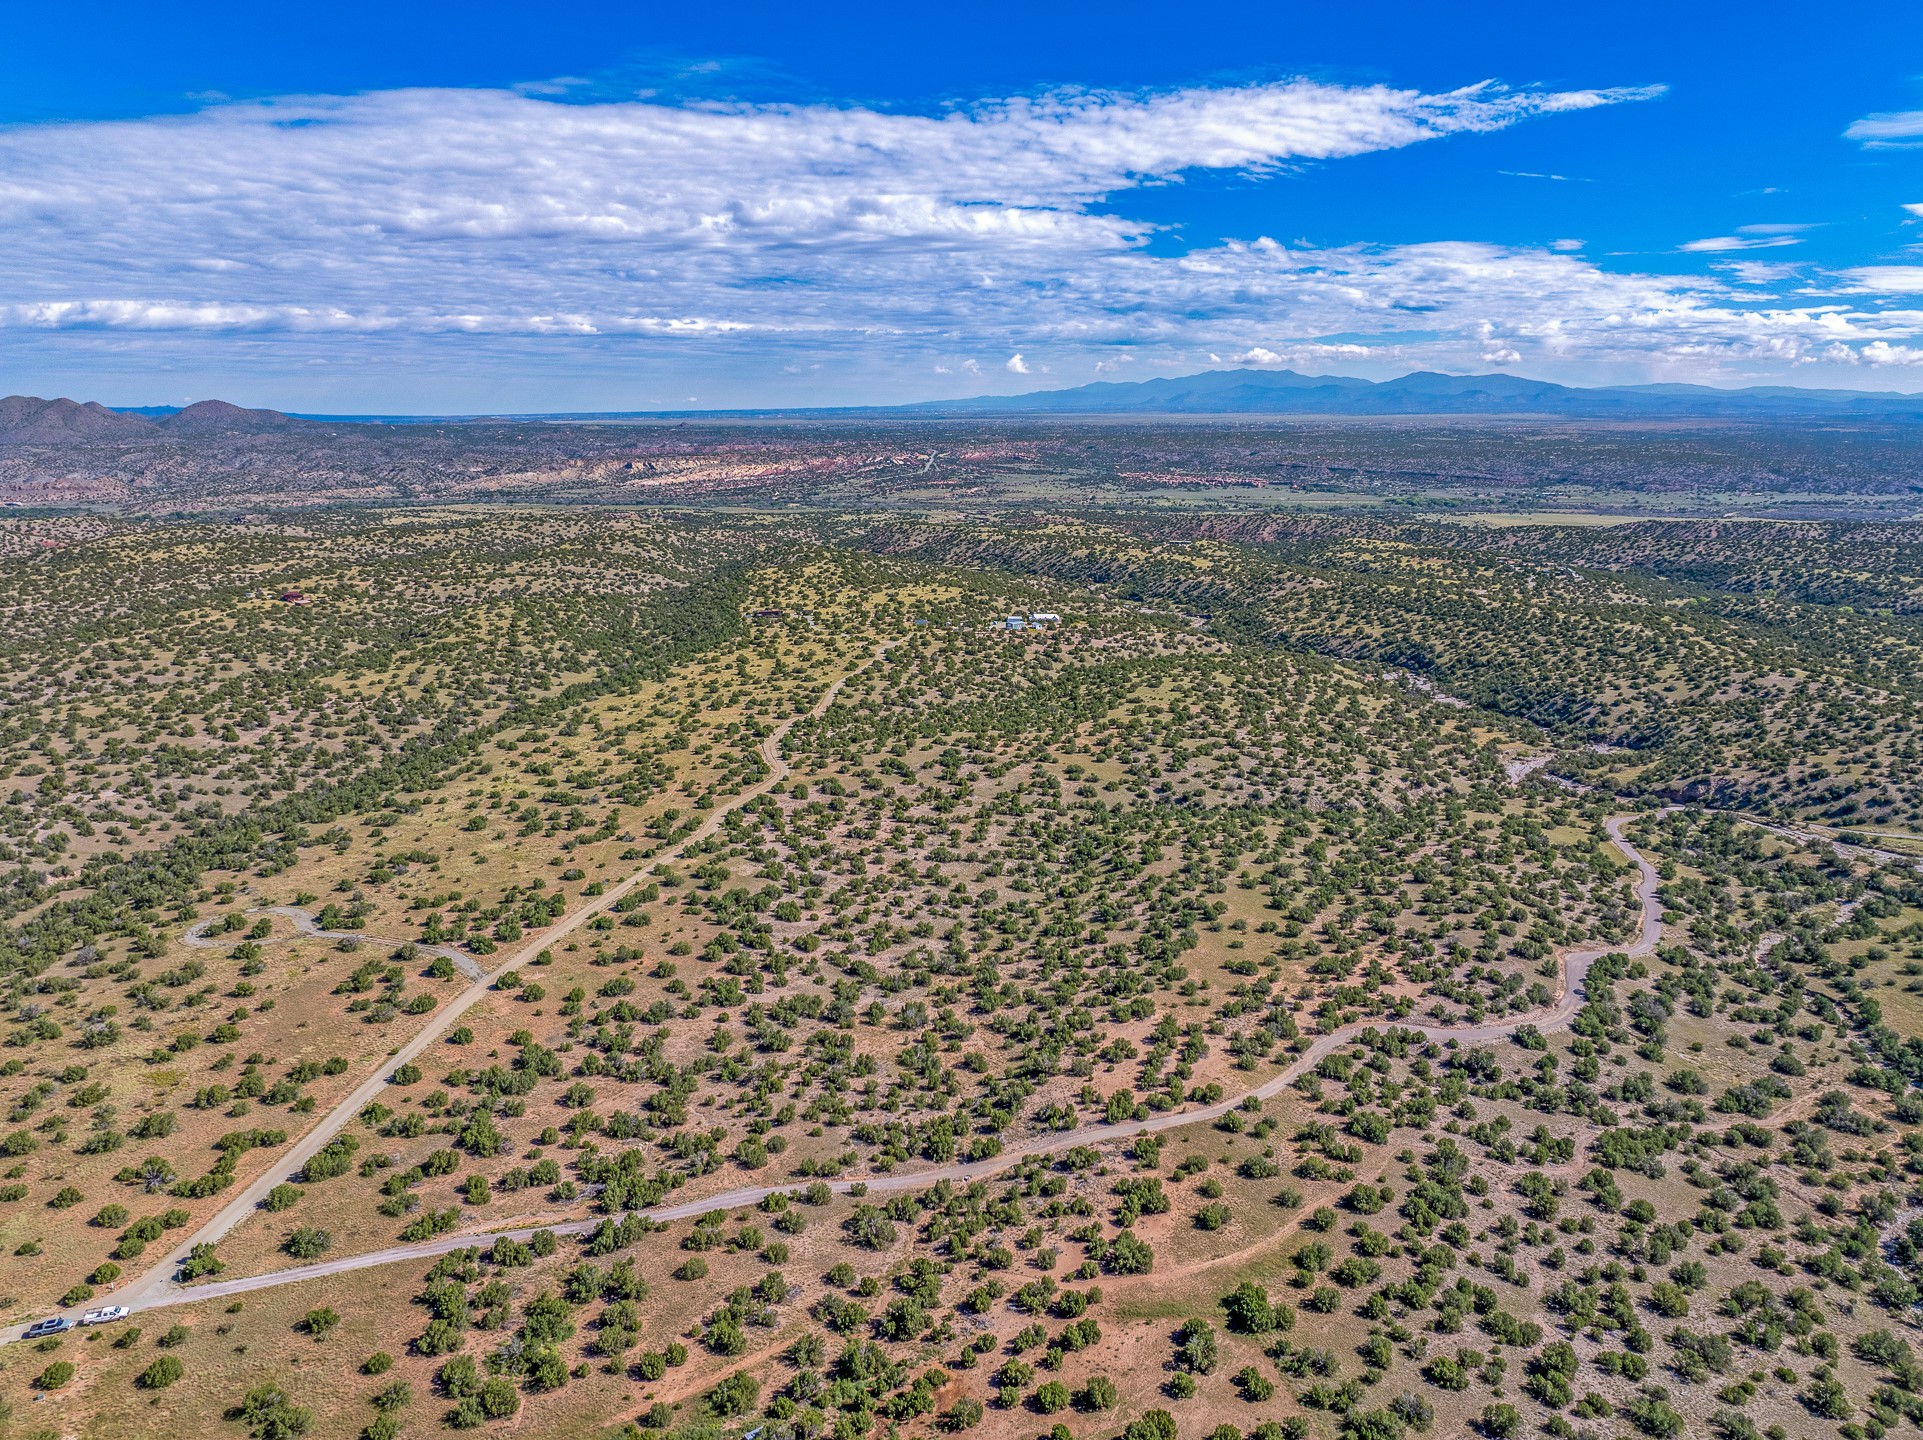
[(157, 1285), (158, 1288)]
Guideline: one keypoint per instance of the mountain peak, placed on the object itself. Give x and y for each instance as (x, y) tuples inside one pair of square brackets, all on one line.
[(30, 420), (218, 417)]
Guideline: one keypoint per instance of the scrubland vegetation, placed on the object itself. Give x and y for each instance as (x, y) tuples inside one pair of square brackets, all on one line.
[(796, 1002)]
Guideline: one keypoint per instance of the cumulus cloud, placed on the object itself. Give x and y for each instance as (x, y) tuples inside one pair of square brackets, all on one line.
[(1313, 354), (1015, 365), (1881, 352)]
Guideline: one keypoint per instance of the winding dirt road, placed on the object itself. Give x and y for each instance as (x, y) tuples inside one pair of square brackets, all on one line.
[(158, 1288)]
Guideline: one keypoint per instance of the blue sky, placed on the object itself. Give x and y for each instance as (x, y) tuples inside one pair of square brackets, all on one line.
[(404, 207)]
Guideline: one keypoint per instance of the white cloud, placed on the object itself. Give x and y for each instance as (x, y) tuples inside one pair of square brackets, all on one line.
[(1757, 272), (1718, 244), (209, 317), (1879, 352), (389, 173), (403, 208), (1311, 355), (750, 233), (1545, 308), (1889, 279), (1894, 129), (1916, 210)]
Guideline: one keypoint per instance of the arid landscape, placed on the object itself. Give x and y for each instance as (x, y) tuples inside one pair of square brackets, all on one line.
[(1090, 969), (221, 461), (1071, 722)]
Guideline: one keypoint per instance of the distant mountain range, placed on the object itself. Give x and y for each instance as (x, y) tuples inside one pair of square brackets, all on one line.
[(29, 420), (1284, 392)]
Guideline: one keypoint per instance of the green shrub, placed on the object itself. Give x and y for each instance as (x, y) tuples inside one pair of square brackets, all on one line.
[(162, 1373)]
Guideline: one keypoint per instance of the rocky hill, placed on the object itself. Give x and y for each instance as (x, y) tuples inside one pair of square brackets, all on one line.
[(29, 420)]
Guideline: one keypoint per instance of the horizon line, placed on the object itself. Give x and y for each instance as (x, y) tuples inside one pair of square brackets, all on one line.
[(871, 407)]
